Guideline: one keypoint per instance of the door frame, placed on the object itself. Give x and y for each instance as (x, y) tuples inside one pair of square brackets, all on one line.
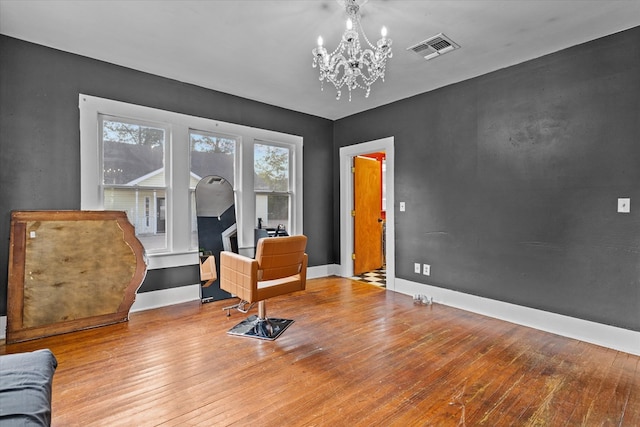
[(346, 205)]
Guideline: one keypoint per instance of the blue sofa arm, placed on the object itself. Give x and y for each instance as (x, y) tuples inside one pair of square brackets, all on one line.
[(25, 388)]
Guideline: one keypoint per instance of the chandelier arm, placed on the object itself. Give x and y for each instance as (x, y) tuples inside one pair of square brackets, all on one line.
[(337, 61), (368, 56), (339, 82)]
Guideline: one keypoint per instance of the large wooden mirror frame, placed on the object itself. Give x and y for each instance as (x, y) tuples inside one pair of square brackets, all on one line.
[(70, 270)]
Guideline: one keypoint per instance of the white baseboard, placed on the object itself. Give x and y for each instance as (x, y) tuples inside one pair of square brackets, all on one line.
[(164, 297), (323, 271), (145, 301), (613, 337)]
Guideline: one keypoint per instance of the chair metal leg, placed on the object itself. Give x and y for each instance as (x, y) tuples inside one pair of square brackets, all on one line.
[(262, 310), (241, 306)]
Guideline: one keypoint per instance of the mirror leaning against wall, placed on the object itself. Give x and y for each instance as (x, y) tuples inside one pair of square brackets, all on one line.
[(217, 231)]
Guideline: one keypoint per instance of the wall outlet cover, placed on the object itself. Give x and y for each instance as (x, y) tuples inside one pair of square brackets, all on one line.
[(426, 269), (624, 205)]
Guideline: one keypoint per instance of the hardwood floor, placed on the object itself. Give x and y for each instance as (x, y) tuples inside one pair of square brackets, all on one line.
[(356, 355)]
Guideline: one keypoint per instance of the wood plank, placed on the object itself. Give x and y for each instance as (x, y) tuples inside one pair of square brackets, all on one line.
[(609, 407), (631, 416), (356, 355)]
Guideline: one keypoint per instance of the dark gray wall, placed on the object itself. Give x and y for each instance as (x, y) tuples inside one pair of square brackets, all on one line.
[(40, 139), (511, 181)]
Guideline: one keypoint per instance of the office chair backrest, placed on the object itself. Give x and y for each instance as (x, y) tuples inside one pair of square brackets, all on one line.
[(280, 257)]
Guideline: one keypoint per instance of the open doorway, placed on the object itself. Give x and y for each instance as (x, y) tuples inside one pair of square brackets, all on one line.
[(347, 222), (369, 218)]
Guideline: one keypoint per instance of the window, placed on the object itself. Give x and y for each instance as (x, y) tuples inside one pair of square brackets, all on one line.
[(211, 154), (133, 174), (147, 162), (271, 166)]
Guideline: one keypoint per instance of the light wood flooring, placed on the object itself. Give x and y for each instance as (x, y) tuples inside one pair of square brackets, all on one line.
[(357, 355)]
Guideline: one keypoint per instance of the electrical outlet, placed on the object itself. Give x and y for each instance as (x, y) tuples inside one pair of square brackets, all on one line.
[(624, 205), (416, 268), (426, 269)]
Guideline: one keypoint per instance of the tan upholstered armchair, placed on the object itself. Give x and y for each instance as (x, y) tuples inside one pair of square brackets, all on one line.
[(279, 268)]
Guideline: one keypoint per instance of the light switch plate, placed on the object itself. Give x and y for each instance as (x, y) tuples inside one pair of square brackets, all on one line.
[(402, 206), (624, 205)]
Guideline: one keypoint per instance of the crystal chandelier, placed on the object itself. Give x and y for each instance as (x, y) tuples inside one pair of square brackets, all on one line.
[(349, 65)]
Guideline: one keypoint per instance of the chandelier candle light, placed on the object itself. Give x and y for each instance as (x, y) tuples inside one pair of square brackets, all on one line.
[(350, 65)]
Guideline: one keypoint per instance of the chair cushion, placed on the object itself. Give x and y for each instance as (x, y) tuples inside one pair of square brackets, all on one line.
[(273, 288)]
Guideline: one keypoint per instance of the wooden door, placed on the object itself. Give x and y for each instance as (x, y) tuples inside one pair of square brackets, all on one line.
[(367, 239)]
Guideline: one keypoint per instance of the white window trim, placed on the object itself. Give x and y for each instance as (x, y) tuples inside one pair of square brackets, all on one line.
[(177, 171)]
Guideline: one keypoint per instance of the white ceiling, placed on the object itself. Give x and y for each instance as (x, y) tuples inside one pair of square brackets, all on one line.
[(261, 49)]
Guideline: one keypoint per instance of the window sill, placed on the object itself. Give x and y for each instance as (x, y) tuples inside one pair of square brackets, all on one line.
[(174, 259)]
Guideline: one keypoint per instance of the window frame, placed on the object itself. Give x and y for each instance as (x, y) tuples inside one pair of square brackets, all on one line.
[(177, 172)]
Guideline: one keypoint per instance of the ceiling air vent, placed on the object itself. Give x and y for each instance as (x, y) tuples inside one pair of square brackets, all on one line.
[(434, 46)]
